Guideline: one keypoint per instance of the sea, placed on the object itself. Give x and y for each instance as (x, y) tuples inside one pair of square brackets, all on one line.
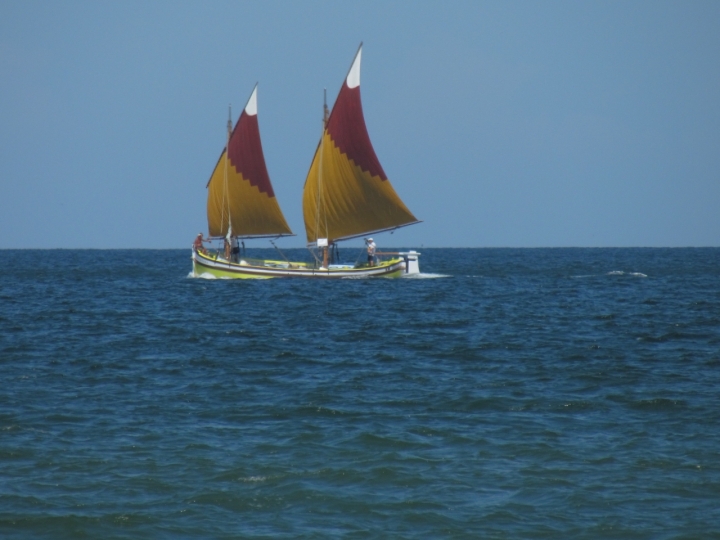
[(502, 393)]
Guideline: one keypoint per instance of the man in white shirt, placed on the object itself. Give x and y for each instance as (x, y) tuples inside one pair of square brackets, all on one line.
[(371, 251)]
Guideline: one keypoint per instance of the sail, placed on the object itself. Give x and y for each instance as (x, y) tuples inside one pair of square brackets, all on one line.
[(240, 196), (347, 193)]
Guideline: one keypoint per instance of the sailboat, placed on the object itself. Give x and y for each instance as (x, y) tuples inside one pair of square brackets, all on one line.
[(346, 195)]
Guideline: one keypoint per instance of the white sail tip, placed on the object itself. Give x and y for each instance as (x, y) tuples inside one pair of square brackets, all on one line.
[(353, 78), (251, 107)]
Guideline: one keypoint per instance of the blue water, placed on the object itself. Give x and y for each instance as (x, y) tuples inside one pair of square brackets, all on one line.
[(531, 393)]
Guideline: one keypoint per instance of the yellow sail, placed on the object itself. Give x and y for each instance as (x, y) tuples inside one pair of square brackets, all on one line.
[(241, 200), (347, 193)]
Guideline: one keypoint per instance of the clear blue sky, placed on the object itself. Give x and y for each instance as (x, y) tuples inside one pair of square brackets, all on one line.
[(518, 123)]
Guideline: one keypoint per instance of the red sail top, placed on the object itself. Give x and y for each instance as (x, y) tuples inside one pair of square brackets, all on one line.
[(347, 128), (246, 154)]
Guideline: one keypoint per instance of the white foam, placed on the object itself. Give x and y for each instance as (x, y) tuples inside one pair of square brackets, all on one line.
[(204, 275), (621, 273), (425, 276), (254, 479)]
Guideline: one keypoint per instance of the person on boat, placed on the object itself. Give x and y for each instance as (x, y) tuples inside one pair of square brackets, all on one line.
[(371, 247), (198, 243), (232, 252)]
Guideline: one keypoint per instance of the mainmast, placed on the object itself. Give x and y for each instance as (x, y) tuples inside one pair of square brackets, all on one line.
[(229, 123), (227, 164), (326, 116)]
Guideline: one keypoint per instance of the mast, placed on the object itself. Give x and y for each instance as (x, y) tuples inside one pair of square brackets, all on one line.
[(326, 116), (226, 195)]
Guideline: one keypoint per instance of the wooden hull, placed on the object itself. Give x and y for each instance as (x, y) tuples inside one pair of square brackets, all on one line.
[(217, 267)]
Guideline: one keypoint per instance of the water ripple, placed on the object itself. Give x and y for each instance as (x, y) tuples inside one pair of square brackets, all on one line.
[(528, 394)]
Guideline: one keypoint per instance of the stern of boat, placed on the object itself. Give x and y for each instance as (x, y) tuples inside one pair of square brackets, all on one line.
[(412, 261)]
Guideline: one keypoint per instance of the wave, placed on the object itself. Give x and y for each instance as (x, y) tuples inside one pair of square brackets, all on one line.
[(622, 273)]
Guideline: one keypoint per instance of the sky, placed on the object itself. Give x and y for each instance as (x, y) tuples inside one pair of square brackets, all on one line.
[(499, 123)]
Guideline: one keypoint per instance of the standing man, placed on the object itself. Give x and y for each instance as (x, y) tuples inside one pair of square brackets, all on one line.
[(232, 252), (228, 248), (371, 251), (198, 243)]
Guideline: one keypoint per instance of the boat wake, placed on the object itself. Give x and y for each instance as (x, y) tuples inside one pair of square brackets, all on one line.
[(205, 275), (425, 276)]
